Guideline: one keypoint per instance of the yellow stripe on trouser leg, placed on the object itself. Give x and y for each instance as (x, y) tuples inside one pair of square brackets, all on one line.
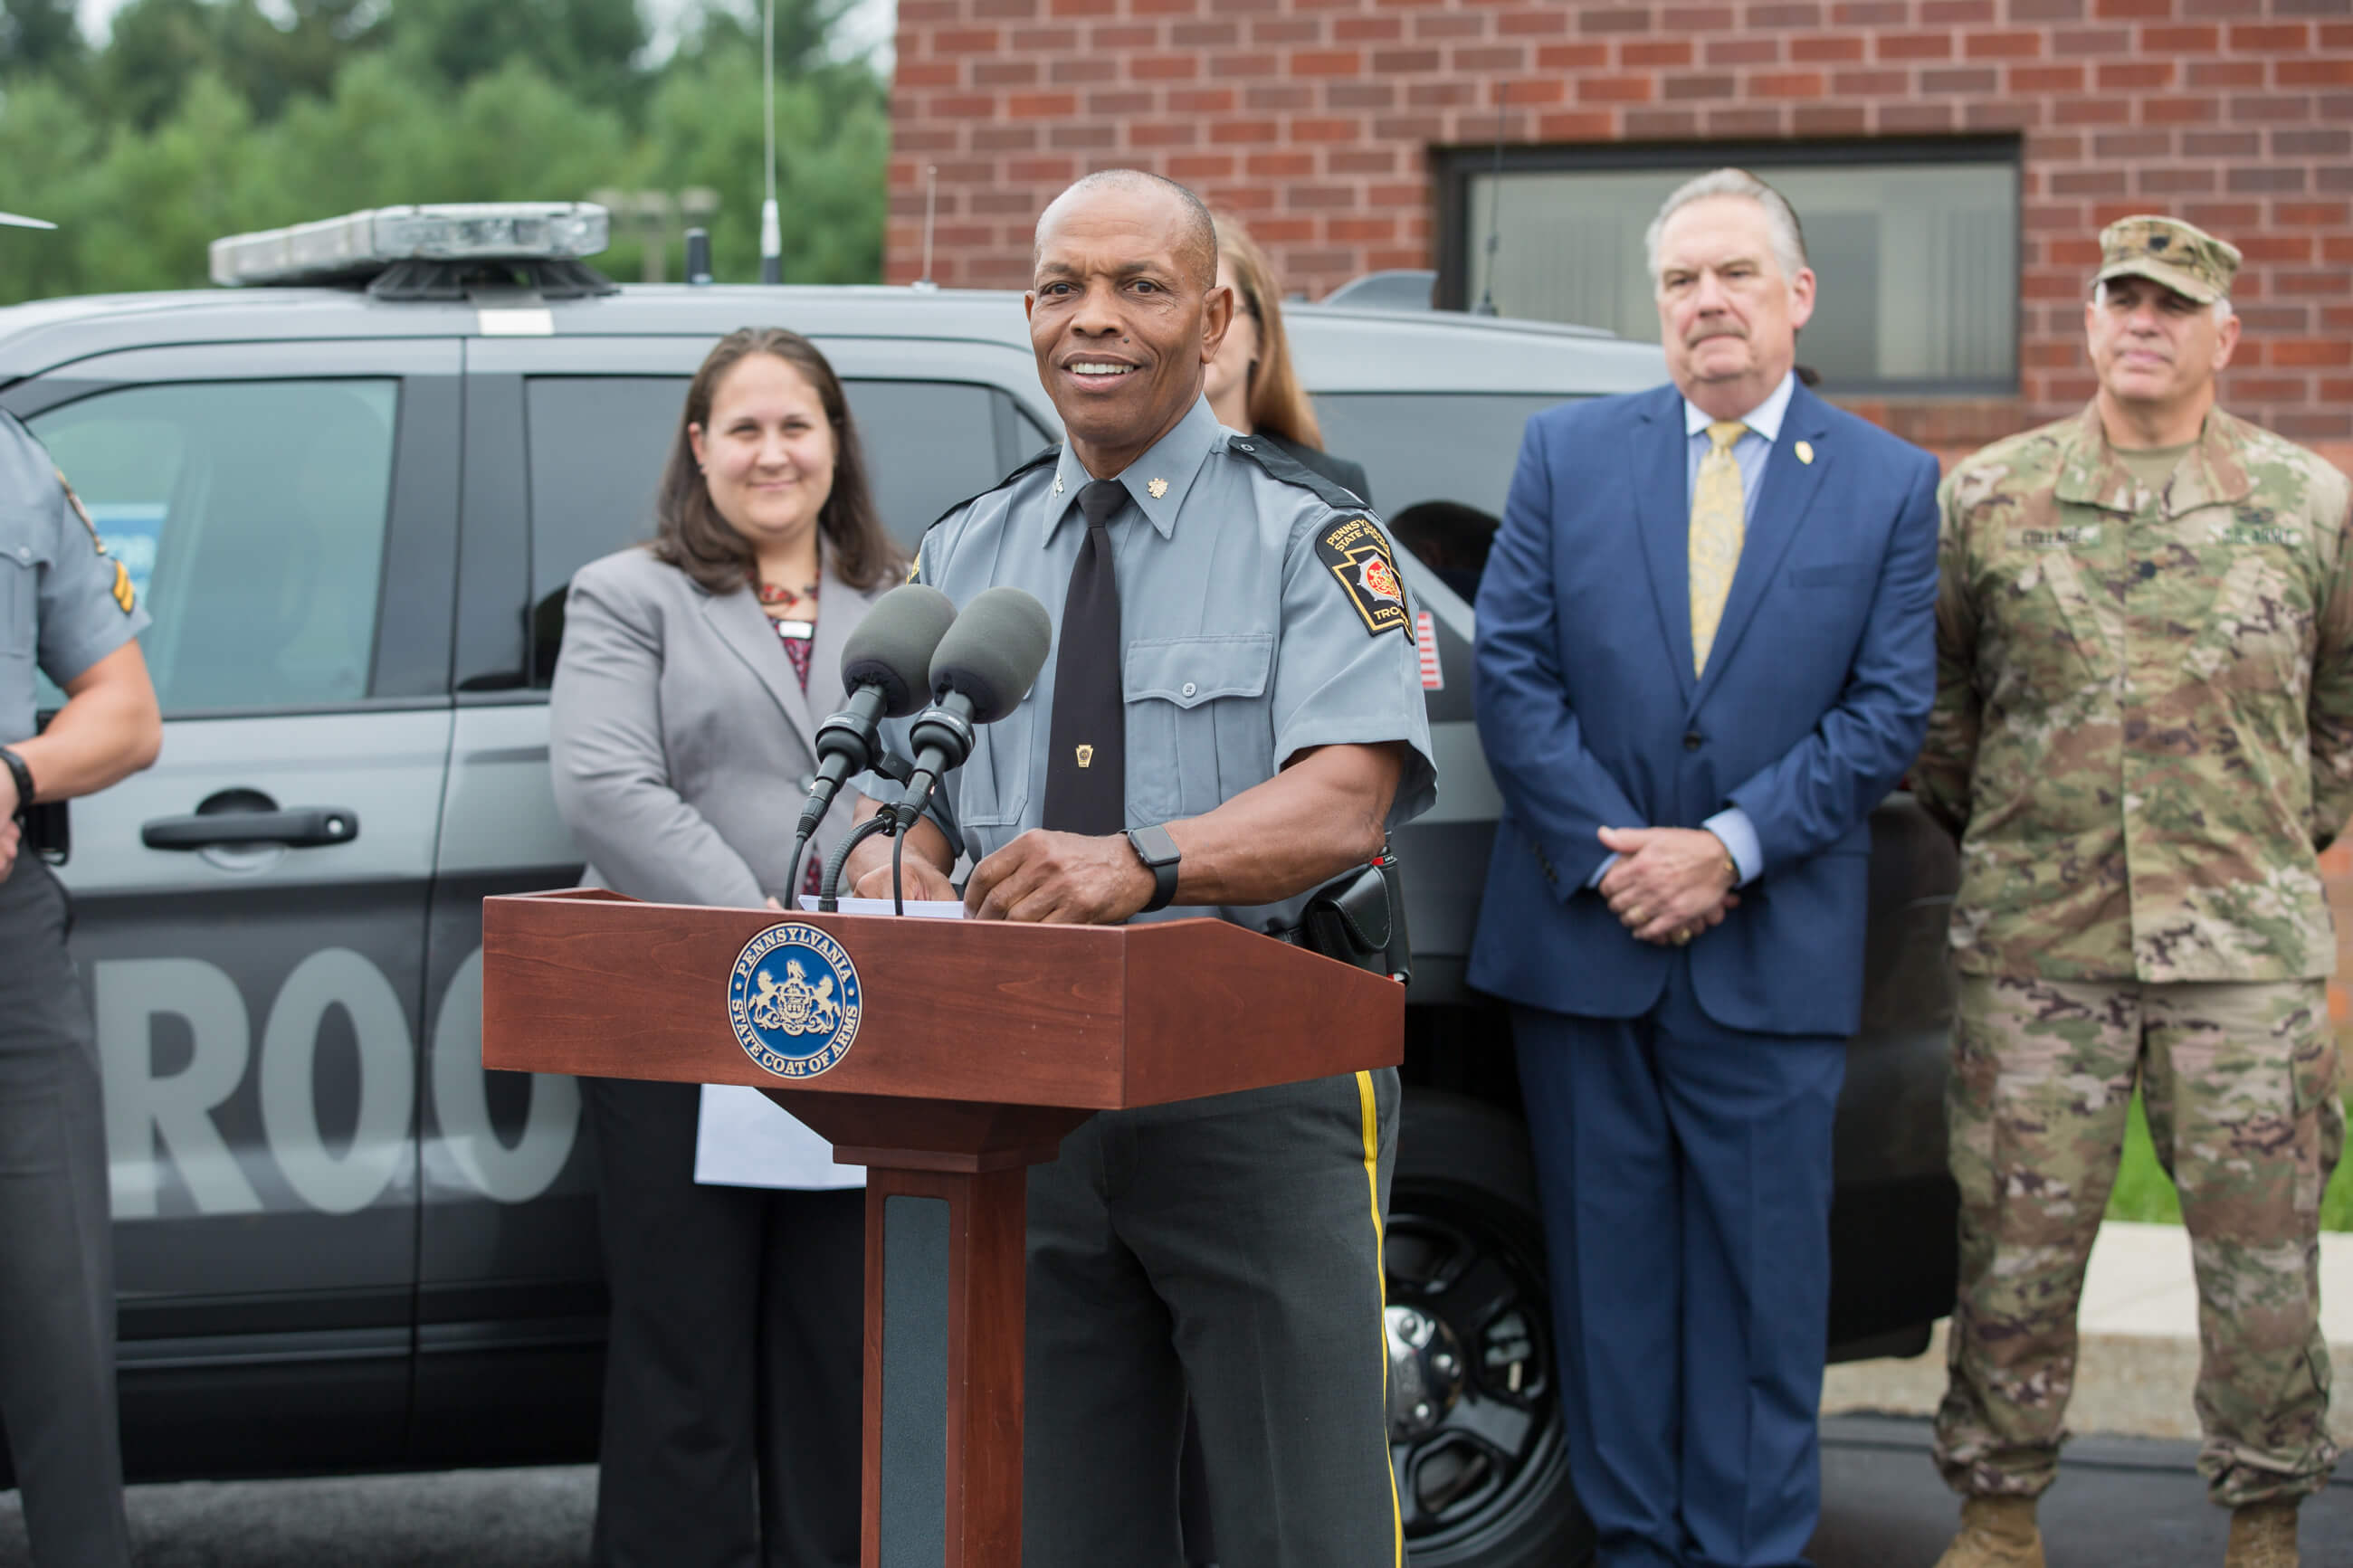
[(1370, 1108)]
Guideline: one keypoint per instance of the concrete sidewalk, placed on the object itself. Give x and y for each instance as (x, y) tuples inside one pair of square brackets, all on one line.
[(2140, 1355)]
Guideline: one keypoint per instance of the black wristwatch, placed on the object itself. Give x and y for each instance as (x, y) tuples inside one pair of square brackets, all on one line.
[(1157, 850), (24, 777)]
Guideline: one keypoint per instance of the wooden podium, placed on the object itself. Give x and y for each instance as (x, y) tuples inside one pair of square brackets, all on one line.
[(973, 1049)]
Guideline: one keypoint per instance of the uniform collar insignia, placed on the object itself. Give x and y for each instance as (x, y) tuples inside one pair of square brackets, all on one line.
[(1159, 480), (2213, 473), (2216, 471)]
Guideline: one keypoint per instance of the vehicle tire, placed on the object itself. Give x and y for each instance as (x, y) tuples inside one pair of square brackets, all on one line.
[(1476, 1430)]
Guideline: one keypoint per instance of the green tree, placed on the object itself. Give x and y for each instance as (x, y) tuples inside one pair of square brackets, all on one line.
[(588, 46), (39, 38), (50, 146), (805, 32), (833, 138), (156, 48), (159, 47), (139, 190)]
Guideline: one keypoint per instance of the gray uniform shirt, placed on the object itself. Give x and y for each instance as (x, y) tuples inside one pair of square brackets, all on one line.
[(65, 604), (1259, 618)]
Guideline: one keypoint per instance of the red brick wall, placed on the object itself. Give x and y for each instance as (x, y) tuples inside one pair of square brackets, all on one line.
[(1312, 118)]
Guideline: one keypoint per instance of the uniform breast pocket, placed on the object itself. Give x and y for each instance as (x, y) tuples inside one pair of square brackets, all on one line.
[(992, 786), (1198, 729), (2260, 632), (23, 554)]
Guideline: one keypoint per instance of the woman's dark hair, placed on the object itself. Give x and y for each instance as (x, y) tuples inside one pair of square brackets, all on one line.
[(690, 534)]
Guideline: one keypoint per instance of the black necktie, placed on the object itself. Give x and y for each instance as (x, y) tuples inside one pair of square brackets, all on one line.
[(1086, 771)]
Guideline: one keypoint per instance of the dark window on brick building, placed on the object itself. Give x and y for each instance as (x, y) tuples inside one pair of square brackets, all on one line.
[(1913, 246)]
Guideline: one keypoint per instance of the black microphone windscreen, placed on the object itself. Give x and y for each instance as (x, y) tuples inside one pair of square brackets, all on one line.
[(994, 652), (892, 647)]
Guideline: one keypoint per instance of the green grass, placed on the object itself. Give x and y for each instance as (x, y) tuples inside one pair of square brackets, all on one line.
[(2144, 1193)]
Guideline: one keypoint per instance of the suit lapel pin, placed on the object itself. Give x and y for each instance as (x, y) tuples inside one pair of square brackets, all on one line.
[(1805, 451), (1159, 488)]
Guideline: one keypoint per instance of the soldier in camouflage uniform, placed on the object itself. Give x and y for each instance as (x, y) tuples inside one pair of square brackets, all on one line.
[(2143, 732)]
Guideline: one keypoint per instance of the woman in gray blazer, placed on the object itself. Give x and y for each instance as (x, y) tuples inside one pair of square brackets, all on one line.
[(693, 674)]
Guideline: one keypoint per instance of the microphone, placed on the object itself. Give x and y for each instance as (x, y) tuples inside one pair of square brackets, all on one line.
[(886, 666), (982, 669)]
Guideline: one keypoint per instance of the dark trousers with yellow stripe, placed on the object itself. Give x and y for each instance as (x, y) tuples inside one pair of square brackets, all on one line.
[(1228, 1249)]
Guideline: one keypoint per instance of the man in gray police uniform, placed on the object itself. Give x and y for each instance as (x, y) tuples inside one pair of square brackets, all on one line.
[(67, 607), (1268, 730)]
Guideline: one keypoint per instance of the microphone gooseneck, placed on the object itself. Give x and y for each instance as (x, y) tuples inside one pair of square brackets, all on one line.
[(828, 891)]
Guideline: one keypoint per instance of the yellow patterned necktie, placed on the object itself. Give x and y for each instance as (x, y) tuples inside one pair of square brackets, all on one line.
[(1718, 522)]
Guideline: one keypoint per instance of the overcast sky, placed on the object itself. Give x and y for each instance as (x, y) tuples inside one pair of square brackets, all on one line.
[(872, 22)]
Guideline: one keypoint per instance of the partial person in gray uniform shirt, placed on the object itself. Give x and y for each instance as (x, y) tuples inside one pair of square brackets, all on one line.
[(1237, 625), (67, 610)]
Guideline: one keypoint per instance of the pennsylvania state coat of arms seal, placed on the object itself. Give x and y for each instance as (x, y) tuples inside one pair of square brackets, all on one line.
[(792, 1000)]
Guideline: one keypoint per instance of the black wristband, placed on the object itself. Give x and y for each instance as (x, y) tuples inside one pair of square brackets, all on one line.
[(1157, 850), (24, 777)]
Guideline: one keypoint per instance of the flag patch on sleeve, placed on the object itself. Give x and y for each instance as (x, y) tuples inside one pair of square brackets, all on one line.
[(1360, 559)]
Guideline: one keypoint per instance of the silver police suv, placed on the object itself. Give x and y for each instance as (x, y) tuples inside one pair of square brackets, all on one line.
[(352, 506)]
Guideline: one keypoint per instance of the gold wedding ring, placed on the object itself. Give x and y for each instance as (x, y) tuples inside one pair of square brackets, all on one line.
[(1682, 937)]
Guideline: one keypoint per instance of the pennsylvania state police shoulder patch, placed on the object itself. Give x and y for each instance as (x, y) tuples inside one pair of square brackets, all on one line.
[(792, 1000), (1359, 556), (124, 596)]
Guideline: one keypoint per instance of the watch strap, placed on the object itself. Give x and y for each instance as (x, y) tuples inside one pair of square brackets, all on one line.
[(24, 777), (1157, 849)]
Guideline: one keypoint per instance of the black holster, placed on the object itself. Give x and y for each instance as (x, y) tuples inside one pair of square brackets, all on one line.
[(1359, 919), (48, 830)]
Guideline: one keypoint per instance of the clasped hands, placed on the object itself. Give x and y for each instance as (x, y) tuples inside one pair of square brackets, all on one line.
[(1670, 883), (1059, 879)]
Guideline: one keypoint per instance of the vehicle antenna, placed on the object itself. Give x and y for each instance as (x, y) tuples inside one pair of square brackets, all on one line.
[(930, 209), (772, 231), (1486, 305)]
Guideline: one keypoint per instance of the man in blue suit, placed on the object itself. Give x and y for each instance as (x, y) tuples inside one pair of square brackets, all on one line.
[(1707, 650)]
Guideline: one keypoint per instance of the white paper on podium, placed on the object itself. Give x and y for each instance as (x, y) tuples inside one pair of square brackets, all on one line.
[(917, 908), (744, 1139)]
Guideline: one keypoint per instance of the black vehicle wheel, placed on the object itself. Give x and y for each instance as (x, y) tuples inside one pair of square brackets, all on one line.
[(1475, 1429)]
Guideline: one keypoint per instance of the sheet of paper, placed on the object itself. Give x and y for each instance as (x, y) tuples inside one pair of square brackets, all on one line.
[(744, 1139), (925, 909)]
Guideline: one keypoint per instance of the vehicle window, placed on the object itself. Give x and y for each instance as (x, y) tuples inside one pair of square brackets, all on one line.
[(250, 515), (597, 444), (929, 445), (1916, 250), (1440, 465)]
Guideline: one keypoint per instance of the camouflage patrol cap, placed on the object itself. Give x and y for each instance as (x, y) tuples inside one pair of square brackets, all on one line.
[(2189, 261)]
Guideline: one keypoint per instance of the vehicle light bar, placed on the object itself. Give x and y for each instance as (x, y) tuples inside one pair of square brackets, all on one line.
[(361, 243)]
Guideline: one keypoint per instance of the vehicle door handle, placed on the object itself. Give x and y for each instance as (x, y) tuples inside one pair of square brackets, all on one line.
[(301, 827)]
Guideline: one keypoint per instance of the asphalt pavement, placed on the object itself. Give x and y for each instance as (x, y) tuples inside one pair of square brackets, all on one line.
[(2121, 1502)]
